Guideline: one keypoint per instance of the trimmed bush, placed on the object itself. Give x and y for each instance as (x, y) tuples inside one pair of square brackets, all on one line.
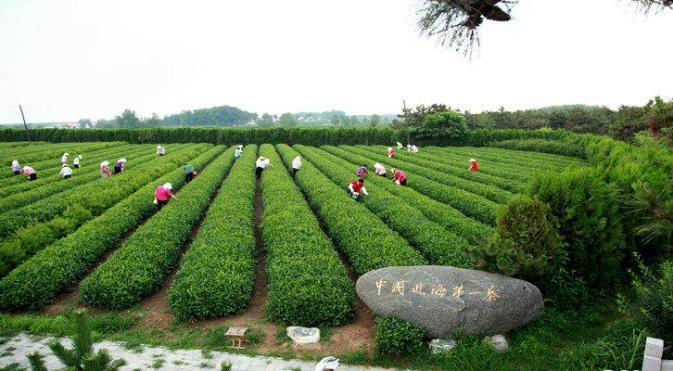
[(26, 241), (437, 244), (527, 244), (447, 216), (460, 171), (589, 214), (307, 283), (470, 204), (222, 254), (140, 265), (396, 337), (95, 194), (543, 145), (58, 267), (487, 191), (367, 242)]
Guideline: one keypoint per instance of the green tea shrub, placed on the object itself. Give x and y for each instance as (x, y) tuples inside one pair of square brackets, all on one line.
[(308, 284), (543, 145), (652, 303), (141, 264), (526, 245), (394, 337), (59, 266), (589, 214), (222, 253)]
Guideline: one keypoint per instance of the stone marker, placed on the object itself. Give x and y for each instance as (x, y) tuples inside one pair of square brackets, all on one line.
[(442, 346), (667, 365), (654, 350), (303, 335), (444, 299), (497, 343)]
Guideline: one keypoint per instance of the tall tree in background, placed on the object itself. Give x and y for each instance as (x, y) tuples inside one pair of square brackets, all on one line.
[(128, 120), (455, 22), (266, 121), (287, 120)]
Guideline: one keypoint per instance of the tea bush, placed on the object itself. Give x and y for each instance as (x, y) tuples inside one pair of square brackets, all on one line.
[(307, 283), (222, 253), (367, 242), (141, 264), (394, 337), (62, 264), (437, 244)]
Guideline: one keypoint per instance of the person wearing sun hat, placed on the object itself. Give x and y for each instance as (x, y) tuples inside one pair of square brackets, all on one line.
[(66, 171), (162, 193), (105, 169), (64, 158), (119, 165), (474, 165)]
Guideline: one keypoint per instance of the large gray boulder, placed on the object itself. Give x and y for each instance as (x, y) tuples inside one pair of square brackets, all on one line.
[(445, 299)]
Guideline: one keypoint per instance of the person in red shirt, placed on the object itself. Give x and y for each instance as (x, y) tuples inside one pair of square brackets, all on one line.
[(474, 165), (162, 193), (356, 187), (391, 152), (399, 176)]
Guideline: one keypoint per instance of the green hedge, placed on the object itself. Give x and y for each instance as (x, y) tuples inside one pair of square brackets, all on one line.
[(96, 194), (26, 241), (367, 242), (307, 283), (140, 265), (436, 243), (217, 274), (488, 191), (51, 173), (470, 204), (59, 267), (35, 194), (543, 145), (452, 219), (460, 171), (394, 337)]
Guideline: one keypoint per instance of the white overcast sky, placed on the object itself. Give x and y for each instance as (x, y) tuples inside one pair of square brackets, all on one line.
[(68, 59)]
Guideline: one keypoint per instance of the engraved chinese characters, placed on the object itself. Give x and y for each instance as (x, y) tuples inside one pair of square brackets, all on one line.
[(444, 299)]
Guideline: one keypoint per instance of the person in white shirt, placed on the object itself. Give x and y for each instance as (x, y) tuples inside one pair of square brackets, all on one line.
[(413, 148), (399, 145), (66, 172), (379, 169), (64, 158), (16, 167), (75, 162), (161, 150), (296, 165), (238, 152), (261, 164)]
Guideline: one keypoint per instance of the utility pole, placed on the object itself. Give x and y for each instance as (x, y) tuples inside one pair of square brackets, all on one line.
[(24, 122), (404, 109)]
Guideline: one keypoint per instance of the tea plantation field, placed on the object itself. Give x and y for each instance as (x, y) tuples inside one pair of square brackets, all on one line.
[(104, 241)]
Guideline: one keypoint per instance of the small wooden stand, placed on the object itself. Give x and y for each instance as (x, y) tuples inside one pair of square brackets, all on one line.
[(237, 335)]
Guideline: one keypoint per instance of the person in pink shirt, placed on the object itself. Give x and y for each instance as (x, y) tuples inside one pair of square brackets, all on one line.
[(162, 193), (32, 175), (399, 177), (105, 169)]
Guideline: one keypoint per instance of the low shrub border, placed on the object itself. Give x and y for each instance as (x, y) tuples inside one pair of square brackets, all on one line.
[(509, 185), (28, 240), (307, 283), (470, 204), (51, 174), (217, 274), (488, 191), (141, 264), (450, 218), (367, 242), (58, 267), (436, 243), (94, 193), (28, 197)]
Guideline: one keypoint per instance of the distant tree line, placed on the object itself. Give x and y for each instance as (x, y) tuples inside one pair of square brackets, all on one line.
[(222, 116)]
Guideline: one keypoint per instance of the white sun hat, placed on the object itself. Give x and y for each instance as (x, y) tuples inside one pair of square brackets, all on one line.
[(168, 186), (105, 163), (473, 160)]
